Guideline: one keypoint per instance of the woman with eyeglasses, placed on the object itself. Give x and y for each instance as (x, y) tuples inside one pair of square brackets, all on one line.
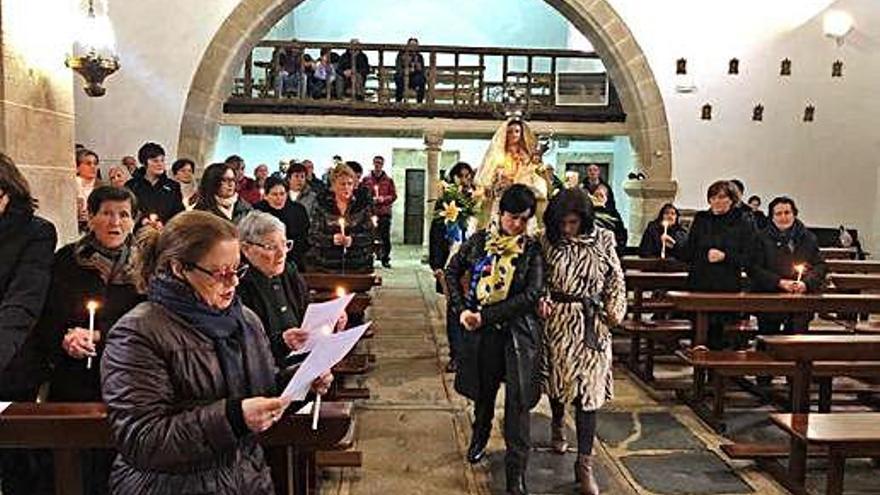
[(292, 214), (188, 376), (217, 193), (273, 287)]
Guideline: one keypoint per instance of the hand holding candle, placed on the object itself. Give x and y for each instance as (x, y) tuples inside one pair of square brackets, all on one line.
[(92, 306), (800, 271)]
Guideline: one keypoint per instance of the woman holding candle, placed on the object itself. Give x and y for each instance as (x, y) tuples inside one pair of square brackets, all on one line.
[(273, 288), (341, 228), (668, 222), (188, 377), (787, 260)]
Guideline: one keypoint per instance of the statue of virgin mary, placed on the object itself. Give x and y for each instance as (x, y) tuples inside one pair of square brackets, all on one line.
[(513, 157)]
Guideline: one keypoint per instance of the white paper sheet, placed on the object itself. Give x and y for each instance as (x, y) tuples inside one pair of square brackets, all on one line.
[(326, 353), (321, 318), (4, 405)]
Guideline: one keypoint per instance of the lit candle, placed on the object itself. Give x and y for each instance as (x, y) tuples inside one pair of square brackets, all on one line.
[(376, 190), (375, 220), (342, 226), (316, 412), (92, 306), (662, 242), (340, 292), (800, 271)]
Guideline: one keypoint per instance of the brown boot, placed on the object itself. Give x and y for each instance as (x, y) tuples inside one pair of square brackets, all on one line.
[(583, 473), (558, 442)]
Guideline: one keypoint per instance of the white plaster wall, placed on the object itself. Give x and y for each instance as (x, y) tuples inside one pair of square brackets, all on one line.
[(160, 43)]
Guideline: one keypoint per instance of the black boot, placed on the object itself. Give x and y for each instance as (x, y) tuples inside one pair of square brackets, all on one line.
[(516, 481), (477, 449)]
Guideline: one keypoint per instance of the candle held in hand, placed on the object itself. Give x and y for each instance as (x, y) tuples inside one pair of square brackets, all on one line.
[(663, 242), (91, 306), (340, 292), (800, 271), (342, 226)]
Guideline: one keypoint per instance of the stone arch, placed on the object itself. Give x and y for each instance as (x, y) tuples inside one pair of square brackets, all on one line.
[(596, 19)]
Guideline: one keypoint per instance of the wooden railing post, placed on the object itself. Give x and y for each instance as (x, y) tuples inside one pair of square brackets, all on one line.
[(503, 78), (249, 76), (455, 81), (381, 95), (432, 77), (482, 82), (529, 65), (553, 78)]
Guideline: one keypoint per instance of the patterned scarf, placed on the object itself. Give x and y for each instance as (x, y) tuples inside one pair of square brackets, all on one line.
[(226, 205), (113, 265), (493, 275)]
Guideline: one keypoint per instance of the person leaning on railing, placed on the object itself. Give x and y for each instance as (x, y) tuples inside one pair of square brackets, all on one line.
[(353, 69)]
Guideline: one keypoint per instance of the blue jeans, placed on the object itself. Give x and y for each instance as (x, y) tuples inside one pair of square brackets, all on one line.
[(287, 84)]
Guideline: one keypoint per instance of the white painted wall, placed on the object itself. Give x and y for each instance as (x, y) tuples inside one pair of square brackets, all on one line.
[(160, 42)]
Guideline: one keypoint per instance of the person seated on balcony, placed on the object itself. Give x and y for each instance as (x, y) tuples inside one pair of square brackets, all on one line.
[(289, 78), (353, 69), (323, 77), (341, 230), (410, 66)]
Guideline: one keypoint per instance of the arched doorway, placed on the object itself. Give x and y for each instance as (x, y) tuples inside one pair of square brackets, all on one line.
[(626, 64)]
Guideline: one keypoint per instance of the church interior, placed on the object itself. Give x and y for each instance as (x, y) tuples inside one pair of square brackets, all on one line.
[(296, 246)]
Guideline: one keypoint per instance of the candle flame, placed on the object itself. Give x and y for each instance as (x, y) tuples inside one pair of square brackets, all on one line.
[(341, 222), (340, 292), (800, 268), (92, 305)]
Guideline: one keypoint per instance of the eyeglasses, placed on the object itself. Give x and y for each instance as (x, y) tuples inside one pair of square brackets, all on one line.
[(288, 245), (224, 276), (227, 180)]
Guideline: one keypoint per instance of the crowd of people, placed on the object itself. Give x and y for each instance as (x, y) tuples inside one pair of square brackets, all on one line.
[(299, 75), (202, 287)]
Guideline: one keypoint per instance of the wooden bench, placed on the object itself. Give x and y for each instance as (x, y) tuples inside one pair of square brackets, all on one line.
[(350, 282), (804, 351), (67, 428), (839, 253), (852, 266), (636, 263)]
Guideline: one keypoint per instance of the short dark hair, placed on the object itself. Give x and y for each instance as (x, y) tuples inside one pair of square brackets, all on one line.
[(148, 151), (233, 159), (355, 167), (103, 194), (337, 158), (782, 200), (182, 162), (379, 157), (725, 187), (663, 209), (754, 197), (568, 202), (82, 153), (296, 168), (739, 185), (273, 181), (458, 168), (517, 199)]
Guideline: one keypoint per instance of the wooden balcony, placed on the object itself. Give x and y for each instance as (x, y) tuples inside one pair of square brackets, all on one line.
[(461, 83)]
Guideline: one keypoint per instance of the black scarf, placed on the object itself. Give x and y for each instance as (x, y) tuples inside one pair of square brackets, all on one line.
[(789, 238), (226, 328)]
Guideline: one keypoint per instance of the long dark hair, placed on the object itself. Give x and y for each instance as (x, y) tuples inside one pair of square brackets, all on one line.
[(14, 185), (663, 209), (210, 183), (568, 202)]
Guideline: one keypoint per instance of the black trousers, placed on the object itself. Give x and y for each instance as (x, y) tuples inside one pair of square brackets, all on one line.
[(585, 424), (493, 371), (384, 231), (417, 82), (786, 323)]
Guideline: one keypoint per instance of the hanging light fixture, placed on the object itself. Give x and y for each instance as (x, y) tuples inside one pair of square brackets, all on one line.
[(94, 57)]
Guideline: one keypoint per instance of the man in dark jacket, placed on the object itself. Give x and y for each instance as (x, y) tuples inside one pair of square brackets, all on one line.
[(502, 341), (381, 187), (353, 69), (594, 180), (787, 260), (156, 193)]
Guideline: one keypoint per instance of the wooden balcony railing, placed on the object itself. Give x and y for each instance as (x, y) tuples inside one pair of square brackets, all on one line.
[(468, 82)]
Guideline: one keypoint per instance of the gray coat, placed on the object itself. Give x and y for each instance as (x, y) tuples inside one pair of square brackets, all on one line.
[(516, 316), (166, 400)]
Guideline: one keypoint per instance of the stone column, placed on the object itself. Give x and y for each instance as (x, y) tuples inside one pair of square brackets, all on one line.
[(36, 106), (645, 199), (433, 143)]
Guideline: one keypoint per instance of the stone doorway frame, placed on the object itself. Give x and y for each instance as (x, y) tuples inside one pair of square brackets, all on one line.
[(648, 128)]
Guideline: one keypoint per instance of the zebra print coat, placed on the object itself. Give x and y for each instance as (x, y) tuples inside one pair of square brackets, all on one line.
[(577, 356)]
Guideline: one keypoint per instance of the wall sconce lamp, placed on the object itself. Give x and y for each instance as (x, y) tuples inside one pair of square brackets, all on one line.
[(837, 25), (94, 57)]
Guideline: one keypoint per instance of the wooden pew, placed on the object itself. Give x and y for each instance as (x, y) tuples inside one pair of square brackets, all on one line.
[(351, 282), (652, 264), (853, 266), (67, 428), (839, 253), (835, 431)]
